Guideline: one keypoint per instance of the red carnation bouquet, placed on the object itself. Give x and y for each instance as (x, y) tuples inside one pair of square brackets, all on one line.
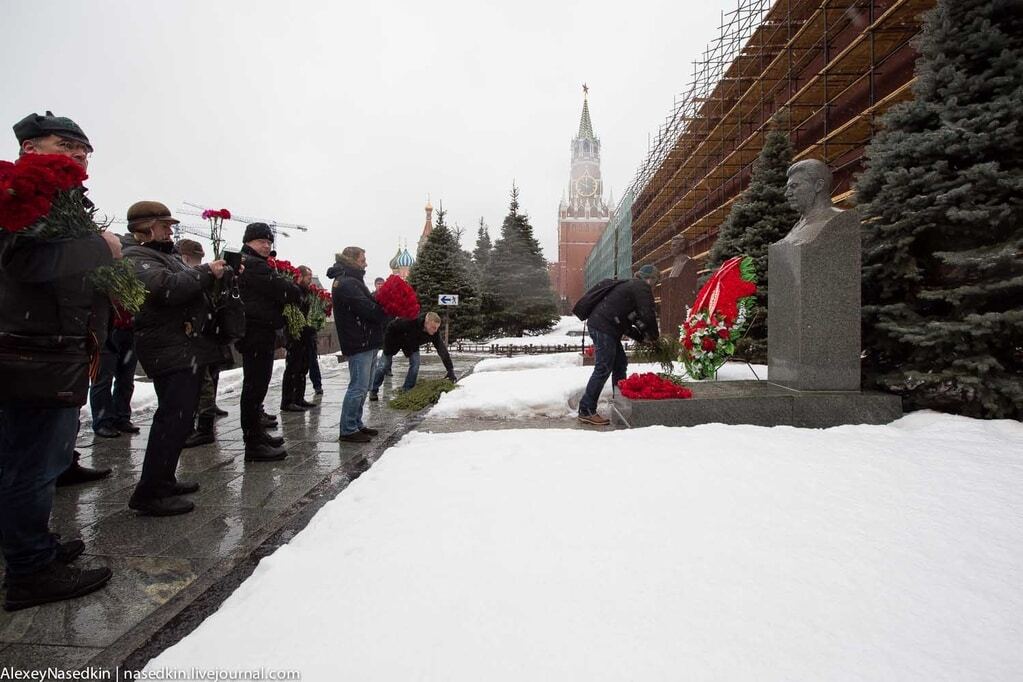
[(216, 218), (650, 386), (295, 320), (397, 298), (320, 307), (41, 197), (718, 318)]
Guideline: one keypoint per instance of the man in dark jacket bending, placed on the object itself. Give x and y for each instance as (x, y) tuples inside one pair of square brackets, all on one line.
[(359, 319), (265, 294), (174, 347), (407, 336), (627, 310)]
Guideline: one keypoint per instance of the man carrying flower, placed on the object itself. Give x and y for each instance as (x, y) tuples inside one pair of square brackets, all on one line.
[(627, 310), (296, 363), (407, 335), (51, 317)]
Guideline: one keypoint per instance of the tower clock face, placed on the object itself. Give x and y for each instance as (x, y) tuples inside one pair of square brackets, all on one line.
[(586, 186)]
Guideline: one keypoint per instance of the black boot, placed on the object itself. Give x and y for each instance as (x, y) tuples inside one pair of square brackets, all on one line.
[(160, 506), (273, 441), (305, 403), (292, 407), (219, 412), (76, 474), (260, 451), (203, 433), (56, 582)]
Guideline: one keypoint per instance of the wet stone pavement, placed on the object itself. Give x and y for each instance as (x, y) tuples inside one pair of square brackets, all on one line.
[(163, 565)]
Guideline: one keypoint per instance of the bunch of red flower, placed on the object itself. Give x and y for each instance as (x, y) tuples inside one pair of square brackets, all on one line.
[(322, 298), (284, 269), (650, 386), (718, 317), (398, 298), (29, 186), (222, 213)]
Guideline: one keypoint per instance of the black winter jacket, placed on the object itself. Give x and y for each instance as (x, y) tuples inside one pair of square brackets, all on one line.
[(627, 310), (359, 318), (170, 330), (408, 335), (46, 295), (264, 293)]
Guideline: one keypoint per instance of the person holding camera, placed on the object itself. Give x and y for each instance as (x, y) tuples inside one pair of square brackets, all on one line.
[(174, 344), (265, 294)]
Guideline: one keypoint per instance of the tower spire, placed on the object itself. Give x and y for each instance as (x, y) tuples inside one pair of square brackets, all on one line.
[(585, 126)]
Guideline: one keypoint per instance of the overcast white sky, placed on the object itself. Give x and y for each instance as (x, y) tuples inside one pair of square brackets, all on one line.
[(344, 116)]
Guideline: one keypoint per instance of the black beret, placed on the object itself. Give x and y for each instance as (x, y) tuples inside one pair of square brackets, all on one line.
[(34, 125)]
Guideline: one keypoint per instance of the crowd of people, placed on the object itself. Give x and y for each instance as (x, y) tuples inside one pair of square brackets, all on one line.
[(75, 343)]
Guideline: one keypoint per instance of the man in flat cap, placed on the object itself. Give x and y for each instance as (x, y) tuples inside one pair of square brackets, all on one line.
[(49, 309), (264, 294), (174, 344)]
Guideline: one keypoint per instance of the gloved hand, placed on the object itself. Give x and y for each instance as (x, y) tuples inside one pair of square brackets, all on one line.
[(451, 377)]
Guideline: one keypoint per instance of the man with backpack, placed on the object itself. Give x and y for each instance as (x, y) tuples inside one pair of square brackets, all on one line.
[(612, 309)]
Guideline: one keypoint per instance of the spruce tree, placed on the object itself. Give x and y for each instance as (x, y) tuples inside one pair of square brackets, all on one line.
[(442, 268), (759, 217), (481, 254), (519, 298), (942, 204)]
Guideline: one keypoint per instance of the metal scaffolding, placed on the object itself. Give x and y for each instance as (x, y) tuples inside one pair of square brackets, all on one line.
[(823, 70)]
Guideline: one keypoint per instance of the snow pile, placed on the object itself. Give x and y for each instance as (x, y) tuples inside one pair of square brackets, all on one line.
[(540, 386), (706, 553), (556, 336)]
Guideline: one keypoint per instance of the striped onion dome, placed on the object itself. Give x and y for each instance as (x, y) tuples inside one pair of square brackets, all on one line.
[(404, 259)]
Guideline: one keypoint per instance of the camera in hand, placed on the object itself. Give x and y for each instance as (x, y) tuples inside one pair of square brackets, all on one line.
[(233, 259)]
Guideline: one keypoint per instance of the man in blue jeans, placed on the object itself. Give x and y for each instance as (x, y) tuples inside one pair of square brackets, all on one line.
[(359, 319), (628, 309), (407, 335)]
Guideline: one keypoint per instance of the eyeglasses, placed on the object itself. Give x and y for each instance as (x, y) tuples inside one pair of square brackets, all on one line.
[(72, 147)]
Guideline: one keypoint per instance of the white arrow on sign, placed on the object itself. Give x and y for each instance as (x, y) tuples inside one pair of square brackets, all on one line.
[(448, 299)]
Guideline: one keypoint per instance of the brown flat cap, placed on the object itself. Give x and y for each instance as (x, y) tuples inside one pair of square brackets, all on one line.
[(190, 248), (142, 213)]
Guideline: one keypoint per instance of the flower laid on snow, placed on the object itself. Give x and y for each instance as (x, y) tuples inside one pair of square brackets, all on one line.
[(650, 386), (718, 318), (397, 298)]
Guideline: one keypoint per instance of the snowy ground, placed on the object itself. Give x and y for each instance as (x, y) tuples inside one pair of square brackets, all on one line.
[(706, 553), (540, 386), (556, 336)]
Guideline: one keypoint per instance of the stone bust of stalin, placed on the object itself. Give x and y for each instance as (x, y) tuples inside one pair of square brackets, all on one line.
[(808, 190)]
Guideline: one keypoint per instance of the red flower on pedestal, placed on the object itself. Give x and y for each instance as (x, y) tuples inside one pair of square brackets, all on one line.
[(650, 386)]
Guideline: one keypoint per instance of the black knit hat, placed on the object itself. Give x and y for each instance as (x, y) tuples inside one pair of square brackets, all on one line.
[(257, 231), (649, 272), (34, 125)]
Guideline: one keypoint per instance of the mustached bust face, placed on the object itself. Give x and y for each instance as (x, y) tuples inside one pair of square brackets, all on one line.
[(801, 190)]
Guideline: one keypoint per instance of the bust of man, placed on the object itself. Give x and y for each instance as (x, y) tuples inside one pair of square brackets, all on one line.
[(808, 190), (679, 244)]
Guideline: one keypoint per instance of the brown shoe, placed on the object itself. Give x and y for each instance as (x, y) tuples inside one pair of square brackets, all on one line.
[(594, 419)]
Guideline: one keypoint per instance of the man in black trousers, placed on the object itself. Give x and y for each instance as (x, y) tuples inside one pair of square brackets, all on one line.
[(174, 344), (265, 293), (296, 363)]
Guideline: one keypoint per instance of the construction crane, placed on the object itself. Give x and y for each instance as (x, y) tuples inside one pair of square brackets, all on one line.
[(179, 230), (275, 226)]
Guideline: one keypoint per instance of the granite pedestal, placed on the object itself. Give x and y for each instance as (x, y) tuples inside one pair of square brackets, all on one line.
[(761, 403)]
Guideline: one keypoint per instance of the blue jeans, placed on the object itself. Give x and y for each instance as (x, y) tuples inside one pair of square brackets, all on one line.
[(360, 374), (314, 365), (609, 360), (117, 372), (385, 368), (36, 446)]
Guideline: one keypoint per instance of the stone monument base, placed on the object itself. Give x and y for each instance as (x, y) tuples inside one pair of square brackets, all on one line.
[(761, 403)]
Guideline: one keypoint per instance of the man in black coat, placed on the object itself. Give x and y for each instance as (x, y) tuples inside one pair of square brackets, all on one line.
[(359, 319), (264, 293), (49, 310), (627, 310), (174, 345), (407, 335)]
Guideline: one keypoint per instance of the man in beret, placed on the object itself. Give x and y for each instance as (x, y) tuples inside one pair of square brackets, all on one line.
[(174, 345), (49, 309), (264, 294), (627, 310)]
